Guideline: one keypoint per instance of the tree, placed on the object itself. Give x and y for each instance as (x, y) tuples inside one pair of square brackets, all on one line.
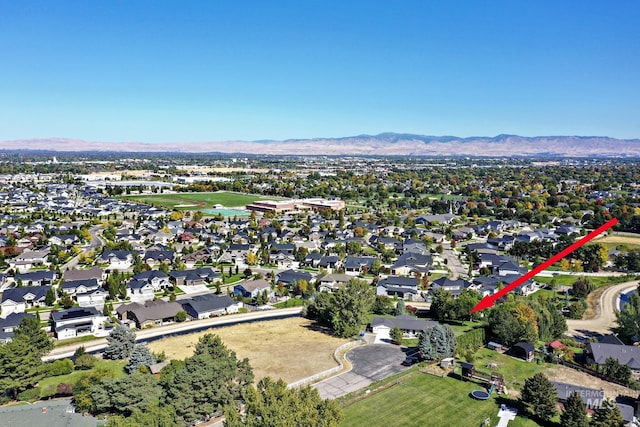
[(581, 288), (140, 356), (614, 369), (210, 380), (382, 305), (574, 413), (437, 343), (153, 415), (181, 316), (121, 342), (50, 299), (124, 395), (351, 306), (607, 415), (565, 265), (441, 303), (271, 403), (396, 335), (539, 397), (401, 308), (629, 319), (510, 323), (20, 358)]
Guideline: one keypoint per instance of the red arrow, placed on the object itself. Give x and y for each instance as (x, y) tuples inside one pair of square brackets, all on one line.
[(488, 301)]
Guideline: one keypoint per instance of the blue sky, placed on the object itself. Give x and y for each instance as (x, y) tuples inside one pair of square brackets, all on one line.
[(169, 71)]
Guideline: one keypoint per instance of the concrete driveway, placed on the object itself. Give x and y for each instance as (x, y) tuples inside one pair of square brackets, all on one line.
[(371, 363)]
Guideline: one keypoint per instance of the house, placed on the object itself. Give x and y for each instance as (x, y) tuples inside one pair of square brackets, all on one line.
[(398, 287), (74, 287), (36, 278), (195, 277), (17, 300), (253, 288), (10, 323), (92, 273), (77, 321), (158, 257), (599, 352), (209, 305), (140, 290), (290, 277), (30, 259), (591, 397), (156, 278), (411, 262), (63, 240), (355, 265), (95, 298), (333, 281), (453, 286), (523, 350), (410, 326), (202, 256), (117, 260), (150, 313)]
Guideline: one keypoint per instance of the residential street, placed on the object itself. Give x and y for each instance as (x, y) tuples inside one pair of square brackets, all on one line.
[(458, 270), (177, 328), (605, 319)]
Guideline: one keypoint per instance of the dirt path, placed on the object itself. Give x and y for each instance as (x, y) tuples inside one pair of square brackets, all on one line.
[(605, 318)]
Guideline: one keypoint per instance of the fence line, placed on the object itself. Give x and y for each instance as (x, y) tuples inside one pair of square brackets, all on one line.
[(330, 371)]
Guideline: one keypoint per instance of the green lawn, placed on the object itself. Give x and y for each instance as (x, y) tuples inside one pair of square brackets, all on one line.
[(293, 302), (567, 280), (201, 200), (419, 399), (49, 385)]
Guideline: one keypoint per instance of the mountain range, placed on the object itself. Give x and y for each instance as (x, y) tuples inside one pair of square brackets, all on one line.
[(384, 144)]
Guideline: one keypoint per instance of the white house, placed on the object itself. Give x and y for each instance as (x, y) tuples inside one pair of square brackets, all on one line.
[(77, 321)]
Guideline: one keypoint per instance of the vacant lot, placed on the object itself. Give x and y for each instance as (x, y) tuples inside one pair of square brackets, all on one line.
[(195, 201), (290, 349), (626, 240)]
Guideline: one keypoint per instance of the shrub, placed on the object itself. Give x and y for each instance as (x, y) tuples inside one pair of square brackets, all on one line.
[(64, 389), (59, 367), (29, 395), (85, 361)]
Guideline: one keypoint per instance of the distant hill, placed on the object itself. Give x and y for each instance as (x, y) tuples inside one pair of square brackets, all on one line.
[(384, 144)]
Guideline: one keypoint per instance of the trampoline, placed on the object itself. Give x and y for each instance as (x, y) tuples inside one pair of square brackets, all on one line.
[(480, 394)]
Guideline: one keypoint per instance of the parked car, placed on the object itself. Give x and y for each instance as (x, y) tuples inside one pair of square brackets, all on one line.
[(410, 360)]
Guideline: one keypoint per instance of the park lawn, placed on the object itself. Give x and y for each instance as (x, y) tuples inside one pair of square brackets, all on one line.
[(49, 385), (627, 241), (197, 200), (420, 399)]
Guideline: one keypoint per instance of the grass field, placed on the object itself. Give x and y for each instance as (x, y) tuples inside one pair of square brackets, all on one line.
[(621, 241), (567, 280), (196, 201), (420, 399), (50, 384), (290, 349)]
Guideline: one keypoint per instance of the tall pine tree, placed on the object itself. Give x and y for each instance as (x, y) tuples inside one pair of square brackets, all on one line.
[(574, 413), (608, 415), (539, 397)]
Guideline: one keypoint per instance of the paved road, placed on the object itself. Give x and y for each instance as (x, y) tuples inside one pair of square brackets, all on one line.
[(458, 270), (96, 242), (371, 363), (605, 318), (176, 329)]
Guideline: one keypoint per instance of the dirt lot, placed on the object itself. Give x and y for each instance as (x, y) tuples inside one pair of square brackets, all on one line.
[(571, 376), (290, 349)]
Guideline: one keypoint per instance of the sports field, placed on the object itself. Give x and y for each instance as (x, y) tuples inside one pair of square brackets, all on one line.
[(196, 201)]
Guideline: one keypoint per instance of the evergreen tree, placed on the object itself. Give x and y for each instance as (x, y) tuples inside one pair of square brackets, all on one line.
[(271, 403), (396, 335), (140, 356), (574, 413), (401, 308), (608, 415), (50, 299), (121, 342), (539, 397), (425, 346)]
